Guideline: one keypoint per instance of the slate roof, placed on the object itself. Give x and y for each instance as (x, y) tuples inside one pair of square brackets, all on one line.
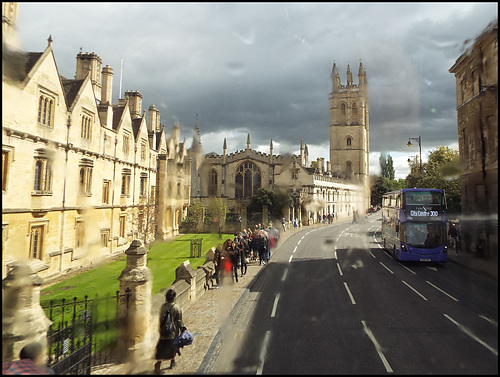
[(117, 116), (71, 89)]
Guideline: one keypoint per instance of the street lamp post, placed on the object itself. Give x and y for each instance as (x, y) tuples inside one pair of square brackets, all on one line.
[(419, 141)]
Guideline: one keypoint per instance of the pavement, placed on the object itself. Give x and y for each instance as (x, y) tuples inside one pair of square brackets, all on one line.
[(204, 317)]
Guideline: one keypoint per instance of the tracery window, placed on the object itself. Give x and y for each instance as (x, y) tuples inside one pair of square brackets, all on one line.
[(43, 175), (247, 180), (86, 131), (354, 111), (46, 105), (343, 111), (212, 183)]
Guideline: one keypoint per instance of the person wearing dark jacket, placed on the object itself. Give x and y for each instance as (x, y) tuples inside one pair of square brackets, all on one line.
[(164, 348)]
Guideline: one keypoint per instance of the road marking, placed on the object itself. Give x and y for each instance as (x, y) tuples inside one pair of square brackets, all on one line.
[(263, 352), (402, 265), (414, 290), (439, 289), (377, 347), (471, 334), (340, 270), (489, 320), (284, 275), (295, 249), (276, 299), (302, 237), (298, 243), (289, 260), (431, 268), (350, 294), (387, 268), (335, 255), (308, 233), (374, 257)]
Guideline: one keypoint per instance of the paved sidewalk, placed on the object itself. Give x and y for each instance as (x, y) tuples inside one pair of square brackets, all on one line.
[(204, 317)]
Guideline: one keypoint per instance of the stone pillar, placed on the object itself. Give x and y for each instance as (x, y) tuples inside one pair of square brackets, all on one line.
[(23, 319), (186, 272), (135, 333)]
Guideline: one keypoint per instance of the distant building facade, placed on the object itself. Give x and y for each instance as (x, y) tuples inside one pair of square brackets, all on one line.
[(317, 191), (81, 177), (476, 74)]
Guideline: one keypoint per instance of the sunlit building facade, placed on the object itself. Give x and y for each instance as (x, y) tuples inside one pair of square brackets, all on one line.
[(81, 177), (476, 74)]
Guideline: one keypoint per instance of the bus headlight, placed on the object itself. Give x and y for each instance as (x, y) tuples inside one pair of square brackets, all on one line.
[(445, 249), (403, 247)]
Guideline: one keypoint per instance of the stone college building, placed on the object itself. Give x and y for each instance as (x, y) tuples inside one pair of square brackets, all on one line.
[(82, 177)]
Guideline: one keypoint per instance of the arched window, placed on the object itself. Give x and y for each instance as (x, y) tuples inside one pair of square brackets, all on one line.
[(354, 111), (247, 180), (343, 111), (349, 141), (212, 183)]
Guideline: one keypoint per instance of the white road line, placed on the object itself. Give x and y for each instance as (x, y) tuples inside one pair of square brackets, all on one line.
[(374, 257), (263, 352), (298, 243), (335, 255), (289, 260), (439, 289), (302, 237), (489, 320), (468, 332), (350, 294), (276, 299), (340, 270), (284, 275), (294, 249), (414, 290), (377, 347), (308, 233), (402, 265), (387, 268)]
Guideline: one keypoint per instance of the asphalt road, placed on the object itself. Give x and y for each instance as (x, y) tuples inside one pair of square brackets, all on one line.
[(332, 301)]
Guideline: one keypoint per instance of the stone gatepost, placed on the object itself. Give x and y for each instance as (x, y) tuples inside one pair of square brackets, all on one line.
[(135, 333), (23, 319), (186, 272)]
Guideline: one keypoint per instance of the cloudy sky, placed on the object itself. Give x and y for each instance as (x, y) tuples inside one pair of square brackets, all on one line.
[(264, 68)]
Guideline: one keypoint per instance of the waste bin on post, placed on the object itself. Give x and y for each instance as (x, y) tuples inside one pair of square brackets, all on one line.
[(196, 248)]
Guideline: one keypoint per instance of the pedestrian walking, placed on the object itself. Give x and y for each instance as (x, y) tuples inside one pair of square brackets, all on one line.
[(242, 249), (453, 234), (165, 349), (31, 361), (234, 256)]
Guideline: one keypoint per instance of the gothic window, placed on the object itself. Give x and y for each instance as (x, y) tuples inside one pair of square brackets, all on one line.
[(46, 105), (86, 167), (143, 150), (343, 111), (349, 141), (43, 175), (79, 233), (105, 237), (126, 141), (36, 241), (212, 183), (86, 131), (121, 229), (354, 112), (143, 184), (106, 185), (247, 180), (125, 191)]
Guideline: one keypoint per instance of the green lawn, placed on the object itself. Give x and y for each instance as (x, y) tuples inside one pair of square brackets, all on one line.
[(163, 259)]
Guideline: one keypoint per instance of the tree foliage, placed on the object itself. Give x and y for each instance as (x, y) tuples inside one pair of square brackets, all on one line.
[(218, 211), (276, 200), (194, 218), (386, 166), (442, 171)]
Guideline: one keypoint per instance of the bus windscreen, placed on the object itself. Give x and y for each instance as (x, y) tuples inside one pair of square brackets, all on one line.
[(423, 198)]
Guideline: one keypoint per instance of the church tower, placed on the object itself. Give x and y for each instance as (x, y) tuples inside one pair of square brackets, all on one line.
[(349, 130)]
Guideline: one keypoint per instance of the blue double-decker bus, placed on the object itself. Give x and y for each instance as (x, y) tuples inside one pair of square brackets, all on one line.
[(414, 224)]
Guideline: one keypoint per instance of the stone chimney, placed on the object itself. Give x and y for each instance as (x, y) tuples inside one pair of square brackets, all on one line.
[(154, 119), (135, 103), (107, 85), (90, 62)]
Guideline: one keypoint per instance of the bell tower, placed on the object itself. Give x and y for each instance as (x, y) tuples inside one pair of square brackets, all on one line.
[(349, 129)]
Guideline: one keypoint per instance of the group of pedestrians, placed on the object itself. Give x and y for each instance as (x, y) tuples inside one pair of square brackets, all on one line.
[(232, 257)]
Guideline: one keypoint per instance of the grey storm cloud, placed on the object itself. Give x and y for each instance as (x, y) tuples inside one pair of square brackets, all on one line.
[(264, 68)]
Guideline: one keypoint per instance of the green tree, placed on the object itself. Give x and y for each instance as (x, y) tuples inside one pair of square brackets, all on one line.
[(276, 201), (380, 186), (218, 210), (442, 171), (386, 166), (194, 218)]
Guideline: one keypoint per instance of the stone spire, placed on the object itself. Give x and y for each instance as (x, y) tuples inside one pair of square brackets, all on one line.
[(248, 141)]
